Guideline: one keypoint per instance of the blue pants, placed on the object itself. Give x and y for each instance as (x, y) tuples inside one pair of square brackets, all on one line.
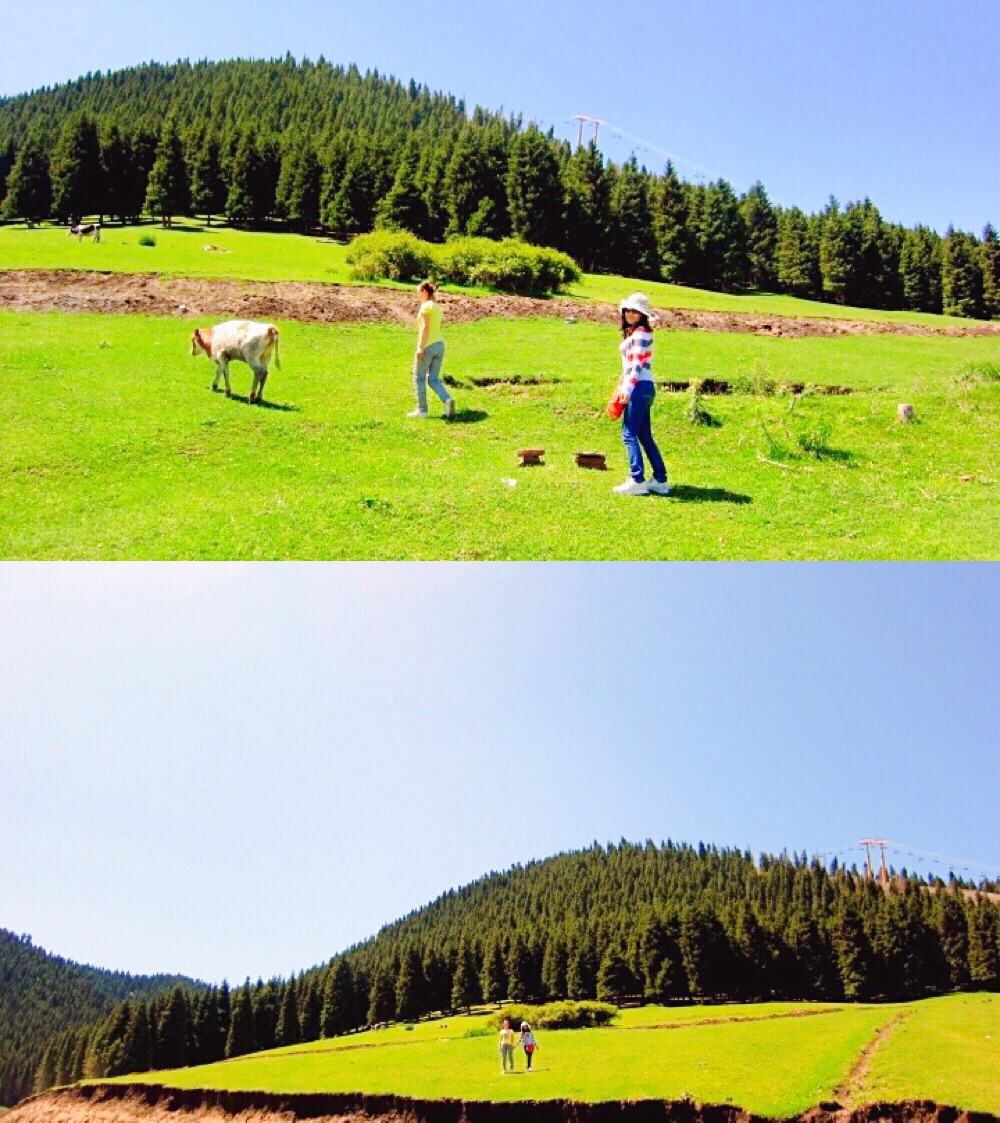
[(637, 430), (426, 372)]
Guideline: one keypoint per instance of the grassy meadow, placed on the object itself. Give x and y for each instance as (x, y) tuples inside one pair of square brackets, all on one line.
[(113, 447), (254, 256), (752, 1056)]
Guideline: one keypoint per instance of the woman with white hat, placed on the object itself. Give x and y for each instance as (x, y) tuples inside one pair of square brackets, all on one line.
[(633, 399)]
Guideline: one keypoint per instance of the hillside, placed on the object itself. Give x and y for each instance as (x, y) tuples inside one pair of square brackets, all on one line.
[(307, 144), (663, 924), (43, 995)]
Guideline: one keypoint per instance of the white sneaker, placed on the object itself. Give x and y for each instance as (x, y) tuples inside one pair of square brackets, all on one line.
[(657, 488), (632, 487), (419, 413), (449, 409)]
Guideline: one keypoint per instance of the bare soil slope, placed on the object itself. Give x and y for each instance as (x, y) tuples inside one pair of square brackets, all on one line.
[(66, 290), (121, 1103)]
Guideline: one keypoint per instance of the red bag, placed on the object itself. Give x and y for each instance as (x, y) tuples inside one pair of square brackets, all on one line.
[(615, 408)]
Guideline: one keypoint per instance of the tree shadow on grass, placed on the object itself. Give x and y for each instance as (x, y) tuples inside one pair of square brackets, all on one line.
[(688, 494), (468, 416)]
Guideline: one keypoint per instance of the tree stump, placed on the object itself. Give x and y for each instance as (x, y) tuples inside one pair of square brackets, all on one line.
[(531, 457), (595, 460)]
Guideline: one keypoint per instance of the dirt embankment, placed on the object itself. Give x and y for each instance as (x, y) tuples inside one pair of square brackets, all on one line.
[(122, 1103), (67, 290)]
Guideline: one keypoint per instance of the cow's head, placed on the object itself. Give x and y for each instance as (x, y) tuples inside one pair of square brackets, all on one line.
[(201, 340)]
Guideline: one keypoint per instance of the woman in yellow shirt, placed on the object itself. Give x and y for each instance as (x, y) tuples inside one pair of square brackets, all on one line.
[(430, 355)]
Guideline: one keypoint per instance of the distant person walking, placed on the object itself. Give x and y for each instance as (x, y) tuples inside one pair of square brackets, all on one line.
[(430, 355), (633, 399), (506, 1048), (528, 1044)]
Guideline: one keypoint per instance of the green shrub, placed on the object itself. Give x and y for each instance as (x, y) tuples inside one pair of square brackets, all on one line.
[(697, 411), (510, 265), (479, 1031), (813, 435), (977, 374), (558, 1015), (389, 255), (147, 240)]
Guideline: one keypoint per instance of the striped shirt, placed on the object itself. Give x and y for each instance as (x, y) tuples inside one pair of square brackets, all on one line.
[(637, 360)]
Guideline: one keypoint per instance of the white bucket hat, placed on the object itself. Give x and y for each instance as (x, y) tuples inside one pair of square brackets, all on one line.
[(639, 302)]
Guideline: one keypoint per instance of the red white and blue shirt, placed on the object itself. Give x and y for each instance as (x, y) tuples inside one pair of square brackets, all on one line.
[(637, 360)]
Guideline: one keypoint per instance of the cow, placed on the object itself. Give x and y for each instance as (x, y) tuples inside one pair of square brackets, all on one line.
[(85, 230), (249, 342)]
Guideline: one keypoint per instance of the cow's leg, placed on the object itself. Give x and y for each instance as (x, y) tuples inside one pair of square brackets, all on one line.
[(224, 368), (215, 380), (260, 387)]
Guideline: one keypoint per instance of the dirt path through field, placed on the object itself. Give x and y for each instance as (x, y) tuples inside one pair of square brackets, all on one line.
[(67, 290), (851, 1092)]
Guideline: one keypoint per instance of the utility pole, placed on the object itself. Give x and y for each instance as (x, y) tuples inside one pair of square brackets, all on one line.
[(883, 873), (585, 120)]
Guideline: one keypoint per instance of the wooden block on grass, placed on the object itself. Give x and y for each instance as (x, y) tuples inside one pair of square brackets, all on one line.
[(531, 457), (596, 460)]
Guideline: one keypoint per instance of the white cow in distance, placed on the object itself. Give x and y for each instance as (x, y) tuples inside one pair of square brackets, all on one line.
[(249, 342)]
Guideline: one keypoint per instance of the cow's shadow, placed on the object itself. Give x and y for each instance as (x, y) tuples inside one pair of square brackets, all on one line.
[(244, 399)]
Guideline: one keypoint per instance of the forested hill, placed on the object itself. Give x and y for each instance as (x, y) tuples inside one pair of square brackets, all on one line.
[(667, 923), (43, 995), (308, 144)]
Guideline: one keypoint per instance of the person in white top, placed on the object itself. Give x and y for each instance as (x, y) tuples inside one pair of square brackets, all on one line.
[(528, 1044)]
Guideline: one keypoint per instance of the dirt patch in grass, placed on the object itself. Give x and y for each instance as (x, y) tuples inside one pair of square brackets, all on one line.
[(850, 1092), (68, 290), (139, 1103)]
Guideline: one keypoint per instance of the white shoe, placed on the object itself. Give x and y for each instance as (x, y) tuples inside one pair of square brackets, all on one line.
[(632, 487), (418, 413), (657, 488), (449, 409)]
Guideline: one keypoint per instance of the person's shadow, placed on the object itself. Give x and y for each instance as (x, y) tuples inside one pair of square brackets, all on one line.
[(687, 493), (468, 416)]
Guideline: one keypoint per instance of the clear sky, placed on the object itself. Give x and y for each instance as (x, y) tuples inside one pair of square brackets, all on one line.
[(894, 99), (227, 770)]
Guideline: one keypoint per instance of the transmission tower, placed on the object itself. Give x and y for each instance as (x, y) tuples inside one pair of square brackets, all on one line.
[(582, 120), (883, 873)]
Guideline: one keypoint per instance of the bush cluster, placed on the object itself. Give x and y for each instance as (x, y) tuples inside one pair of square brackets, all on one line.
[(558, 1015), (509, 265)]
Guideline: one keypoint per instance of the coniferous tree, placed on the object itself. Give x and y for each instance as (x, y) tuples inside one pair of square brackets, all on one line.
[(961, 275), (534, 189), (209, 1035), (173, 1036), (136, 1054), (495, 982), (838, 253), (761, 224), (671, 222), (45, 1076), (989, 256), (437, 976), (615, 979), (920, 270), (853, 953), (167, 192), (404, 206), (75, 170), (519, 988), (116, 172), (722, 238), (311, 1010), (554, 964), (465, 988), (298, 192), (953, 932), (795, 272), (29, 188), (984, 946), (265, 1015), (382, 998), (8, 154), (411, 996), (338, 1000), (208, 189), (581, 971), (245, 199), (587, 209), (288, 1030), (634, 234), (240, 1039)]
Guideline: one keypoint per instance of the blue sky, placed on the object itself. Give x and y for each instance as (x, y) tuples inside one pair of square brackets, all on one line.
[(242, 769), (894, 99)]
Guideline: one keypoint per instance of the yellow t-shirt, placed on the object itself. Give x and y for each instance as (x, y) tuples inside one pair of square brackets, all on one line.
[(432, 311), (507, 1037)]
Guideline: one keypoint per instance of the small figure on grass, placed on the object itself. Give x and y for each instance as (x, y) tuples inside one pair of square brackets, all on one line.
[(429, 355), (633, 399), (528, 1044), (506, 1048)]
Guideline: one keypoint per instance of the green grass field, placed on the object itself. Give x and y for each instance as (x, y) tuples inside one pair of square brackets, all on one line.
[(775, 1066), (947, 1050), (113, 447), (292, 257)]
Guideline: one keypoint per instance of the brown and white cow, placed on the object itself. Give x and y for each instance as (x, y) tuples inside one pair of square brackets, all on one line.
[(244, 340)]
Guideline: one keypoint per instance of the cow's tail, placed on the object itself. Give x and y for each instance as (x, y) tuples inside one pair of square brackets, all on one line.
[(273, 333)]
